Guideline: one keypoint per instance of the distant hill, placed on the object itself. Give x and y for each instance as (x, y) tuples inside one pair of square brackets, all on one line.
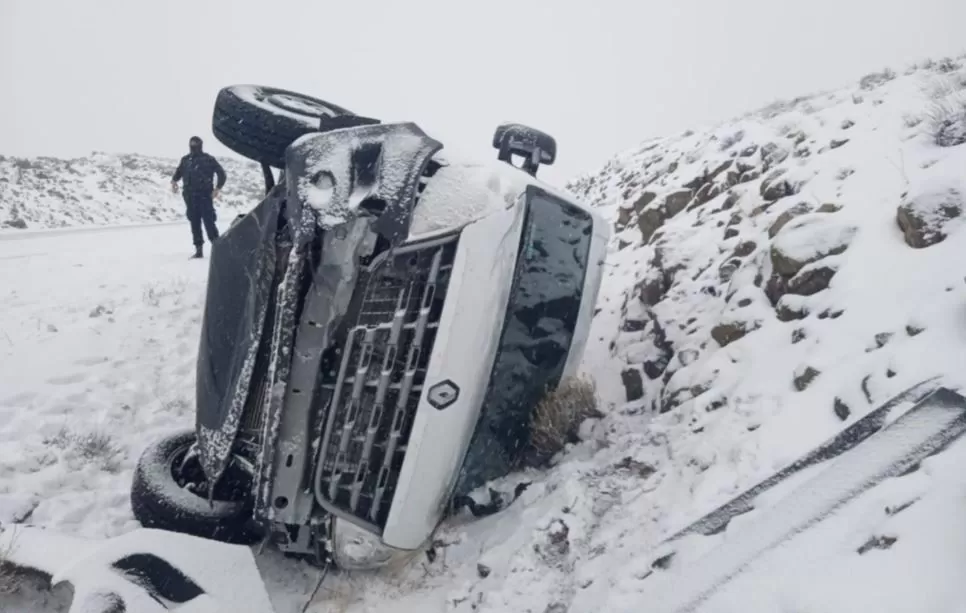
[(107, 189)]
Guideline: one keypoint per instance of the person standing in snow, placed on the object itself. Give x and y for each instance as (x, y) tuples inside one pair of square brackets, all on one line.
[(199, 194)]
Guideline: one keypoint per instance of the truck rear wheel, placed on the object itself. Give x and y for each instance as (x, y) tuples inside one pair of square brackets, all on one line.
[(261, 122)]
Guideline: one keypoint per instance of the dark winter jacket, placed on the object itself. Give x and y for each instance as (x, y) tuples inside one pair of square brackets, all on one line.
[(197, 169)]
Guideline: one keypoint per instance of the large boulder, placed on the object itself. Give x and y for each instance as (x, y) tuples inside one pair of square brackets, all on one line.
[(809, 239), (649, 221), (633, 384), (675, 202), (775, 186), (798, 210), (728, 332), (925, 217), (812, 279)]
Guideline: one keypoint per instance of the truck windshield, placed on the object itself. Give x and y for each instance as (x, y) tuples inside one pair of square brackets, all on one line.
[(541, 315)]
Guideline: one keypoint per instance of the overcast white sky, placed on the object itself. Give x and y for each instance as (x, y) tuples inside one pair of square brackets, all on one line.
[(600, 75)]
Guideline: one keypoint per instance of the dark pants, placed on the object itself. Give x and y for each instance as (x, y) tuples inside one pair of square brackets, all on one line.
[(201, 210)]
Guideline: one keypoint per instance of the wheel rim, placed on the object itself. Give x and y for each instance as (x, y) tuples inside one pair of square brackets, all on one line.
[(233, 487), (302, 106)]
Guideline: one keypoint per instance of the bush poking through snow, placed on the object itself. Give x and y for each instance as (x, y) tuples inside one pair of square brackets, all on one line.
[(875, 79), (558, 416), (90, 447), (946, 121), (9, 581)]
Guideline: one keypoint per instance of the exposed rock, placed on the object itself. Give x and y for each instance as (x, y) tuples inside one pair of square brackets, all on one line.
[(641, 469), (829, 313), (798, 137), (633, 384), (749, 151), (633, 325), (798, 210), (707, 193), (923, 217), (847, 123), (622, 244), (773, 153), (731, 233), (749, 175), (728, 332), (744, 302), (649, 221), (789, 311), (688, 356), (811, 280), (913, 330), (798, 335), (483, 571), (775, 186), (882, 339), (776, 287), (641, 203), (728, 269), (675, 202), (865, 388), (624, 216), (730, 201), (652, 289), (656, 367), (743, 166), (717, 403), (842, 410), (761, 208), (720, 168), (877, 542), (829, 207), (804, 378), (675, 399), (17, 223), (745, 249), (836, 143)]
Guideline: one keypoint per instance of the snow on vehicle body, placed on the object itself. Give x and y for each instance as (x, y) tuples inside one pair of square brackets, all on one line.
[(377, 333)]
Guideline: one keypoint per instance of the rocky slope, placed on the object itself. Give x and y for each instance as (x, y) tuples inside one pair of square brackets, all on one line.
[(823, 220), (772, 280), (104, 189)]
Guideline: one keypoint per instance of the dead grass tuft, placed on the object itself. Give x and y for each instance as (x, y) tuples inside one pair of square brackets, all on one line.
[(557, 418)]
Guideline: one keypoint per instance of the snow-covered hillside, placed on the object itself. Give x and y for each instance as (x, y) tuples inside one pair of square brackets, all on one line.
[(106, 189), (772, 279)]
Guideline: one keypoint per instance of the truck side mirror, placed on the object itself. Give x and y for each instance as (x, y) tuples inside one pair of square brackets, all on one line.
[(534, 146)]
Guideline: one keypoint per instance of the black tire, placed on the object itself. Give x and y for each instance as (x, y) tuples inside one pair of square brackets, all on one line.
[(158, 501), (261, 122)]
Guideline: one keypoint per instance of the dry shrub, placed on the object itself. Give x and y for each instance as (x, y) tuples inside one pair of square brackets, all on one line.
[(90, 447), (558, 416), (10, 578), (946, 121)]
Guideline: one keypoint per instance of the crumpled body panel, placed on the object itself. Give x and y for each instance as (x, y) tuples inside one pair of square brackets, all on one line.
[(333, 181), (240, 279)]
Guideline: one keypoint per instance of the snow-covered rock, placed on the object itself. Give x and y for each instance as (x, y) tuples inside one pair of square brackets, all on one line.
[(923, 216)]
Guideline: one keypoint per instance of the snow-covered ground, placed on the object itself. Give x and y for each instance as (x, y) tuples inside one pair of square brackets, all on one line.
[(761, 296)]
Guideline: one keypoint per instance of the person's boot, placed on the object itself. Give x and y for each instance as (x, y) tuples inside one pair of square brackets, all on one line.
[(199, 253)]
